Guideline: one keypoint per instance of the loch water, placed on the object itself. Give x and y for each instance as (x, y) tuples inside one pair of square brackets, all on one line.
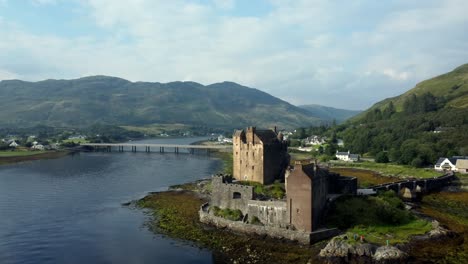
[(69, 210)]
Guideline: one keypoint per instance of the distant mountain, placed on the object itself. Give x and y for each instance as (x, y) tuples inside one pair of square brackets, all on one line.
[(417, 127), (329, 113), (109, 100)]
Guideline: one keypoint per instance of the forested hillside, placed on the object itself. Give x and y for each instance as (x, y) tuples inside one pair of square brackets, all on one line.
[(417, 127)]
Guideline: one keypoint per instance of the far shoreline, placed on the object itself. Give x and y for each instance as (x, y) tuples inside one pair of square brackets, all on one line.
[(40, 156)]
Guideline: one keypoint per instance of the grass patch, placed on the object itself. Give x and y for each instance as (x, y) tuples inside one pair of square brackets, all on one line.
[(388, 169), (366, 178), (275, 190), (377, 218), (176, 214), (227, 159), (234, 215), (31, 155)]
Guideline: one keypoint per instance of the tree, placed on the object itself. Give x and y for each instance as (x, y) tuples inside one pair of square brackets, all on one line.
[(382, 157)]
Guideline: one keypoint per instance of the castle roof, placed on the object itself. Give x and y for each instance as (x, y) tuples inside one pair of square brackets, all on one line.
[(266, 135)]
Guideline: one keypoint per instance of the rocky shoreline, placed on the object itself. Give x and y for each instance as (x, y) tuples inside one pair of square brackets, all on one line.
[(342, 249)]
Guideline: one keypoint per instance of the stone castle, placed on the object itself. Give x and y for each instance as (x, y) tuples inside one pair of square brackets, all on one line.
[(261, 156)]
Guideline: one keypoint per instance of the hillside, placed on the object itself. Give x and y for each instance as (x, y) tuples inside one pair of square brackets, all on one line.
[(329, 113), (417, 127), (109, 100), (451, 89)]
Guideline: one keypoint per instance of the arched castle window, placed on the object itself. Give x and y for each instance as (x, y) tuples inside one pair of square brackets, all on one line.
[(236, 195)]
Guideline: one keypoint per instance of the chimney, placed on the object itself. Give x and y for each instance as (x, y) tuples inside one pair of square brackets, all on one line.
[(276, 132)]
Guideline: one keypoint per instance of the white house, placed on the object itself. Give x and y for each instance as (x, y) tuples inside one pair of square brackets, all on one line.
[(13, 144), (450, 164), (38, 147), (347, 156), (315, 140)]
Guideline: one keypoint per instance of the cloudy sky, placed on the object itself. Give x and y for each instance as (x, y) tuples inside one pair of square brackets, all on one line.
[(343, 53)]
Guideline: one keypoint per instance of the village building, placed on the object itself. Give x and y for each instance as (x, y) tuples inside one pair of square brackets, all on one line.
[(259, 155), (462, 166), (450, 164), (13, 144), (315, 140), (38, 147), (347, 156)]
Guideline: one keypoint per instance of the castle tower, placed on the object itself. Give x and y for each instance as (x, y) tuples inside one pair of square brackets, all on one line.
[(259, 155)]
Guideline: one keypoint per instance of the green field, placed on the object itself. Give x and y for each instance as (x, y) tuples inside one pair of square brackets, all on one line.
[(388, 169), (19, 153), (378, 219)]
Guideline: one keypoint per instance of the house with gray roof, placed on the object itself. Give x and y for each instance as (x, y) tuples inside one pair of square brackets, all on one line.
[(347, 156), (450, 164)]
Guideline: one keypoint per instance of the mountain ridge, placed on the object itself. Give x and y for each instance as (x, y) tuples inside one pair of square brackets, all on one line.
[(330, 113), (111, 100)]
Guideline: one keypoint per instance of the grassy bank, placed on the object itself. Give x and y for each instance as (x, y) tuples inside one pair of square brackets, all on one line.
[(365, 177), (176, 214), (387, 169), (226, 158), (451, 210), (19, 153), (378, 219), (20, 156)]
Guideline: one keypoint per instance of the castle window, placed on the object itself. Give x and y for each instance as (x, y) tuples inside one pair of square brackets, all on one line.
[(236, 195), (253, 167)]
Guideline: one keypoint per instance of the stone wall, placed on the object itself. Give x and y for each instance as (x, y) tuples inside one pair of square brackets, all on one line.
[(270, 213), (228, 195), (275, 232), (346, 185)]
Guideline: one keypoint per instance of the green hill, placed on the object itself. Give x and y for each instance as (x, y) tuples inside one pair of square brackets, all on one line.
[(329, 113), (418, 126), (109, 100)]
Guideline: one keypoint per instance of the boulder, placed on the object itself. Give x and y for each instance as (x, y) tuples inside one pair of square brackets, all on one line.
[(389, 254)]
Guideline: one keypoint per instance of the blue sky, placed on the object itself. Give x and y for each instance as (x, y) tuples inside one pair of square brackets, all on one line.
[(347, 54)]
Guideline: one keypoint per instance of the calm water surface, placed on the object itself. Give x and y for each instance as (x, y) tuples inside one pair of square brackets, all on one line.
[(68, 210)]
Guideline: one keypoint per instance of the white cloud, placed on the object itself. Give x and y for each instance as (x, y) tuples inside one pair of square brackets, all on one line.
[(44, 2), (224, 4), (345, 54)]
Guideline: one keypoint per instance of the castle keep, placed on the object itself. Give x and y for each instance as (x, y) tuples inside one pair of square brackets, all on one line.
[(259, 155)]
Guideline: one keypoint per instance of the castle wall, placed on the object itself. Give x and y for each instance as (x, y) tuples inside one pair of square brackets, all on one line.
[(228, 195), (320, 187), (272, 231), (271, 213)]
